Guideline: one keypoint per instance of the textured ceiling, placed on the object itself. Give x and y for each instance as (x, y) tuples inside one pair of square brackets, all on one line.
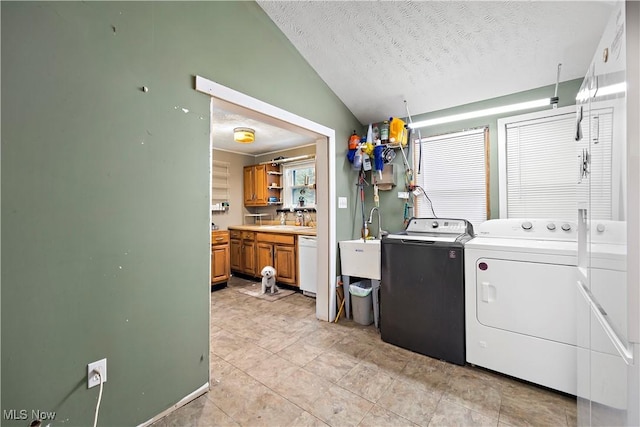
[(269, 137), (433, 54), (438, 54)]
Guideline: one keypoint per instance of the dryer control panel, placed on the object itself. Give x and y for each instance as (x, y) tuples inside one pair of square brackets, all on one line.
[(538, 229)]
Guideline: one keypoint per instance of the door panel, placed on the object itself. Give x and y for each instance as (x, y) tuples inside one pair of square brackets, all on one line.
[(260, 184), (249, 257), (264, 254), (248, 184), (236, 255), (219, 263), (529, 298), (285, 264)]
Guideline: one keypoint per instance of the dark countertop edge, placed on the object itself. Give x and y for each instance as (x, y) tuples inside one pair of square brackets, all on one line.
[(296, 209)]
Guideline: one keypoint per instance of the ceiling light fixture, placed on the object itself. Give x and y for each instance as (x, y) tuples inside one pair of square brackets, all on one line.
[(486, 112), (244, 135)]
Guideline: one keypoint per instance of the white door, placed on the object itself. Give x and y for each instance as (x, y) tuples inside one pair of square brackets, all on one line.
[(528, 298)]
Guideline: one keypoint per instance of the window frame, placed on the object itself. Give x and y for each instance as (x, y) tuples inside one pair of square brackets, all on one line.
[(483, 132), (288, 186), (571, 162)]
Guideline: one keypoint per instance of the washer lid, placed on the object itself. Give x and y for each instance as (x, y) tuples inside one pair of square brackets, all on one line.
[(425, 237), (447, 230)]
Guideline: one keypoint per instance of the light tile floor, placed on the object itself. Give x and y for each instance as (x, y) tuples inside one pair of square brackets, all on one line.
[(274, 364)]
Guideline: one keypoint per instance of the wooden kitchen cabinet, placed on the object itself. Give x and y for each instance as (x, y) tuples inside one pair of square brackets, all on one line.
[(278, 251), (285, 264), (220, 260), (243, 255), (235, 249), (264, 254), (261, 184), (249, 257), (255, 185)]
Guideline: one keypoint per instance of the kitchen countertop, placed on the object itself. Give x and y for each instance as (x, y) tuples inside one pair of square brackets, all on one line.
[(280, 229)]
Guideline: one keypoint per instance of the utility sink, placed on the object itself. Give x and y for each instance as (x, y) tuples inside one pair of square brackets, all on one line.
[(360, 258)]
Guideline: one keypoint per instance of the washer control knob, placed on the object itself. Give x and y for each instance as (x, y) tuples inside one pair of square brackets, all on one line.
[(527, 225), (600, 228), (551, 226), (566, 226), (434, 224)]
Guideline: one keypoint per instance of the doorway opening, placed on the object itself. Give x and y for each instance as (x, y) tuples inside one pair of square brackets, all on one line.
[(234, 101)]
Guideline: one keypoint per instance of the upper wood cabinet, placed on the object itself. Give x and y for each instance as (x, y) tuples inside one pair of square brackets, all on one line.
[(255, 185), (262, 185)]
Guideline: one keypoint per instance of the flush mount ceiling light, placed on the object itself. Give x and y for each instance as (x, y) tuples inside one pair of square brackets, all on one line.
[(244, 135)]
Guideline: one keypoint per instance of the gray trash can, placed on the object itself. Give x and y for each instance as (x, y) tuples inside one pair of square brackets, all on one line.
[(361, 302)]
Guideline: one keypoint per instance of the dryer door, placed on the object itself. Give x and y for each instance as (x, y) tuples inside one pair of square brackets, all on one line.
[(529, 298)]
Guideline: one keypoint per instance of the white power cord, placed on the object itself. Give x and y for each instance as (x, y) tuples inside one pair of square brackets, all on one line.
[(95, 420)]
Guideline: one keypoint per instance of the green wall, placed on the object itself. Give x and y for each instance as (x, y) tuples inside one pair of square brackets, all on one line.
[(105, 189)]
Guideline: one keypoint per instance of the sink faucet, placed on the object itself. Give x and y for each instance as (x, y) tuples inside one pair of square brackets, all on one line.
[(380, 231)]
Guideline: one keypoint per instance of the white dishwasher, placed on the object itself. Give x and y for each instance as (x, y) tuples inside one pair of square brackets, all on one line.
[(308, 264)]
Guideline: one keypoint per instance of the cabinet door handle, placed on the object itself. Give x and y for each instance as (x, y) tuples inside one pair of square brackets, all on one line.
[(219, 239)]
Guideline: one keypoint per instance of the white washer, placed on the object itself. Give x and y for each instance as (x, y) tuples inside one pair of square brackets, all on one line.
[(520, 300)]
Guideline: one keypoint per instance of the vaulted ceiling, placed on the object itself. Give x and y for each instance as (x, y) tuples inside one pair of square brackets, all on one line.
[(375, 55)]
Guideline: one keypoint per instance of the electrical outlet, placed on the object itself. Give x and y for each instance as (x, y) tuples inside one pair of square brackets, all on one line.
[(403, 194), (92, 378)]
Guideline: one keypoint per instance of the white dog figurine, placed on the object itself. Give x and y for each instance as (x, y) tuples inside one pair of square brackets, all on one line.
[(269, 280)]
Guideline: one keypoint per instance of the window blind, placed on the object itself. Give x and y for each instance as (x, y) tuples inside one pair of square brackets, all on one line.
[(454, 174), (542, 167)]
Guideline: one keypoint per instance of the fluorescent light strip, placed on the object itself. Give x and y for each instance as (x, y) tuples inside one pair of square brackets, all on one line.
[(289, 159), (585, 94), (483, 113)]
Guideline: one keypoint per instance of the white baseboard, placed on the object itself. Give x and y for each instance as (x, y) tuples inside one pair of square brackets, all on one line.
[(188, 398)]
